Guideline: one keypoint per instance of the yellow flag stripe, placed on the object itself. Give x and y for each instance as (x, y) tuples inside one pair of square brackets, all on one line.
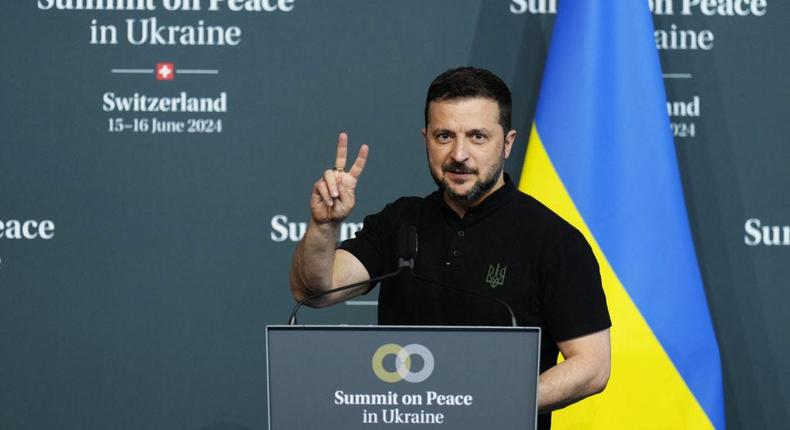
[(645, 390)]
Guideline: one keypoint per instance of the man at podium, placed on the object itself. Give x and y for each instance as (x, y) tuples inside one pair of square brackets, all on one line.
[(478, 236)]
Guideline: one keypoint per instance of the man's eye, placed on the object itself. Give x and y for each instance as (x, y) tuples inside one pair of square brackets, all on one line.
[(443, 136), (479, 136)]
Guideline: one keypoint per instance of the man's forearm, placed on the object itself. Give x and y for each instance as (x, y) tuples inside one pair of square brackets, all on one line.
[(584, 372), (313, 260), (567, 383)]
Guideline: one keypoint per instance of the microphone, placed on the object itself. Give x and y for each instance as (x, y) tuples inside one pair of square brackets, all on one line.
[(407, 251), (407, 246)]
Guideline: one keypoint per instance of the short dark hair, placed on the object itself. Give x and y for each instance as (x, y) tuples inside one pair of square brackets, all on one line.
[(469, 82)]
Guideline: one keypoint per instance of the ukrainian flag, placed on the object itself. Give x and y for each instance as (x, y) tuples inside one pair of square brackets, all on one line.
[(601, 155)]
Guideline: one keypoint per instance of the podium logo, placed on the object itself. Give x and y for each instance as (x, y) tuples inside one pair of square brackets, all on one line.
[(403, 363)]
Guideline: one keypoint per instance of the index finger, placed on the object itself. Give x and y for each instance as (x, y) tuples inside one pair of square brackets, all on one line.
[(342, 151)]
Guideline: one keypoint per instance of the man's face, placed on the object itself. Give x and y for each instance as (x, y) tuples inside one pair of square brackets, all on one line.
[(467, 148)]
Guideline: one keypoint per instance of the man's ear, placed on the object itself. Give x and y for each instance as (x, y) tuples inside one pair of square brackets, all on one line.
[(510, 138)]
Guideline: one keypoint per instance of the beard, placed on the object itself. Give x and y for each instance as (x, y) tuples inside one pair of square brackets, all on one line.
[(481, 187)]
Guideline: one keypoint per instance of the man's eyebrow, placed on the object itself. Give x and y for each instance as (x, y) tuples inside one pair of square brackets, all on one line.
[(442, 130), (478, 131)]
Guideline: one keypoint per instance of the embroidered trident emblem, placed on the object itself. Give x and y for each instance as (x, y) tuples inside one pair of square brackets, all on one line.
[(496, 276)]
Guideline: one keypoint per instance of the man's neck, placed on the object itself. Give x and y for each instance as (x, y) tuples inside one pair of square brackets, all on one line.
[(460, 208)]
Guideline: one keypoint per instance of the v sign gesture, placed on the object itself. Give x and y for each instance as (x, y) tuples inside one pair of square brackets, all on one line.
[(333, 195)]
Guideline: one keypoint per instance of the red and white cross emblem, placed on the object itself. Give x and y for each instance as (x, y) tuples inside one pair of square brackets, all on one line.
[(165, 71)]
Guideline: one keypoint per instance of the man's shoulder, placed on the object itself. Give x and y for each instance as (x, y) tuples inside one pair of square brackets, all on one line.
[(538, 214), (542, 225)]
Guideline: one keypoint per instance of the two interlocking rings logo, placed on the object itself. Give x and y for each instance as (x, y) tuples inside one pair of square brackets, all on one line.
[(403, 363)]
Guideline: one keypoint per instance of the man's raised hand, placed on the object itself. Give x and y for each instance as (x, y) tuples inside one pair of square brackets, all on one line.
[(333, 195)]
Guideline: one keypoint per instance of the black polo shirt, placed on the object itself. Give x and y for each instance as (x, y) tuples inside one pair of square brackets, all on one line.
[(510, 246)]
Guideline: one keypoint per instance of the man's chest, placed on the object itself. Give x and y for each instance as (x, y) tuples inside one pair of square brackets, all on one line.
[(485, 261)]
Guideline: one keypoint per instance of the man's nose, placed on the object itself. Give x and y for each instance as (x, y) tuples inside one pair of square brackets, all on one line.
[(460, 151)]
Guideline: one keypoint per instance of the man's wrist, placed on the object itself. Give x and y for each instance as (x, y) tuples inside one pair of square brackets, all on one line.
[(324, 227)]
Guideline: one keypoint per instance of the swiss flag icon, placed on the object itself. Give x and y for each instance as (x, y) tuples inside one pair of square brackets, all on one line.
[(165, 71)]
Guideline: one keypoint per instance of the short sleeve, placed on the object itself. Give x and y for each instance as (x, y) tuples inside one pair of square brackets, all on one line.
[(574, 303), (369, 244)]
